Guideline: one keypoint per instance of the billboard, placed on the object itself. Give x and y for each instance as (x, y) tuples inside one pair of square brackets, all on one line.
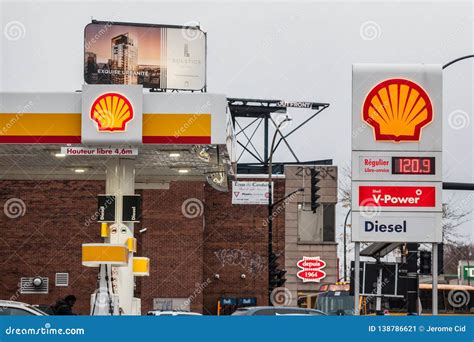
[(154, 56), (396, 153)]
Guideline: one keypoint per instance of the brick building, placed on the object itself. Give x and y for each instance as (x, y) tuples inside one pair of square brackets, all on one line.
[(198, 255)]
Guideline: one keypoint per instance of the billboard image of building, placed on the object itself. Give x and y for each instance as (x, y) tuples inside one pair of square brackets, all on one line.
[(151, 55), (125, 59)]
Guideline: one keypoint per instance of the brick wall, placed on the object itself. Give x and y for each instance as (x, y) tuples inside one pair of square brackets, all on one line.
[(48, 238), (185, 249), (173, 242), (236, 243)]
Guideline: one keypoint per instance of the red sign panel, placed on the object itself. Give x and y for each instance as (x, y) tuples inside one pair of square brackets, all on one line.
[(397, 196), (311, 269), (312, 263), (311, 275)]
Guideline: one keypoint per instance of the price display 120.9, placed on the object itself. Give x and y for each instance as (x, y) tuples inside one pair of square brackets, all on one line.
[(413, 165)]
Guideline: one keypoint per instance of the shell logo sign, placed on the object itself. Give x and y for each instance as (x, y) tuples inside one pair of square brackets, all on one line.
[(311, 269), (111, 112), (397, 109)]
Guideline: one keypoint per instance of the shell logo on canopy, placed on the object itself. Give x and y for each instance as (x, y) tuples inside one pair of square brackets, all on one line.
[(111, 112), (397, 109)]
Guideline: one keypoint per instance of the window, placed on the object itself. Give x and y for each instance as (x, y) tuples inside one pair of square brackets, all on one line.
[(4, 311), (264, 312), (329, 223), (290, 311), (318, 226)]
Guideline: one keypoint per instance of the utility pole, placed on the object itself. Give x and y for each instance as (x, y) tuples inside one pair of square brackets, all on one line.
[(271, 256), (412, 278), (345, 244)]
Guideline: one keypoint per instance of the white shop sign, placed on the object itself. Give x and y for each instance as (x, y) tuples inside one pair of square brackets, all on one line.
[(250, 192), (99, 151), (396, 227)]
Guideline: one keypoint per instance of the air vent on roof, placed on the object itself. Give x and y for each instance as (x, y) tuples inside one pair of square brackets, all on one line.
[(62, 279), (34, 285)]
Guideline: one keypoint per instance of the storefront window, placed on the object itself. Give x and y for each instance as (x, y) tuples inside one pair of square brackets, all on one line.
[(318, 226)]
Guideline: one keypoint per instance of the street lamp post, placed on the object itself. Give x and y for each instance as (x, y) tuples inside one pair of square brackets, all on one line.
[(271, 260), (345, 244)]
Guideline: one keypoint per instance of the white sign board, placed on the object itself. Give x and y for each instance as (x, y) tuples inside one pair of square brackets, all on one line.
[(250, 192), (396, 226), (99, 151), (396, 153)]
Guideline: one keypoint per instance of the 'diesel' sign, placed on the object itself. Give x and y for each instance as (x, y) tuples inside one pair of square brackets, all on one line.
[(396, 153)]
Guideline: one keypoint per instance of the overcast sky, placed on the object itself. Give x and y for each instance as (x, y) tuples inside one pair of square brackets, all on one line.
[(283, 50)]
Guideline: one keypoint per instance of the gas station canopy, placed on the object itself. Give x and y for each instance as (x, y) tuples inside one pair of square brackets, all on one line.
[(180, 134)]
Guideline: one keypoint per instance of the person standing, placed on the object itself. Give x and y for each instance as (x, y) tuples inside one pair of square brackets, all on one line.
[(64, 306)]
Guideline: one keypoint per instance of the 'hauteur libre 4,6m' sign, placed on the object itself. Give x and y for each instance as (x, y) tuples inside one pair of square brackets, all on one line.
[(396, 153)]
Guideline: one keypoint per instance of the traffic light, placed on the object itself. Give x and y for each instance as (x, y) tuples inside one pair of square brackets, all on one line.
[(425, 262), (276, 275), (277, 278), (314, 189)]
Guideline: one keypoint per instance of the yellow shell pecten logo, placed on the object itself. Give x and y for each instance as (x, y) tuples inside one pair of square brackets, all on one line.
[(397, 109), (111, 112)]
